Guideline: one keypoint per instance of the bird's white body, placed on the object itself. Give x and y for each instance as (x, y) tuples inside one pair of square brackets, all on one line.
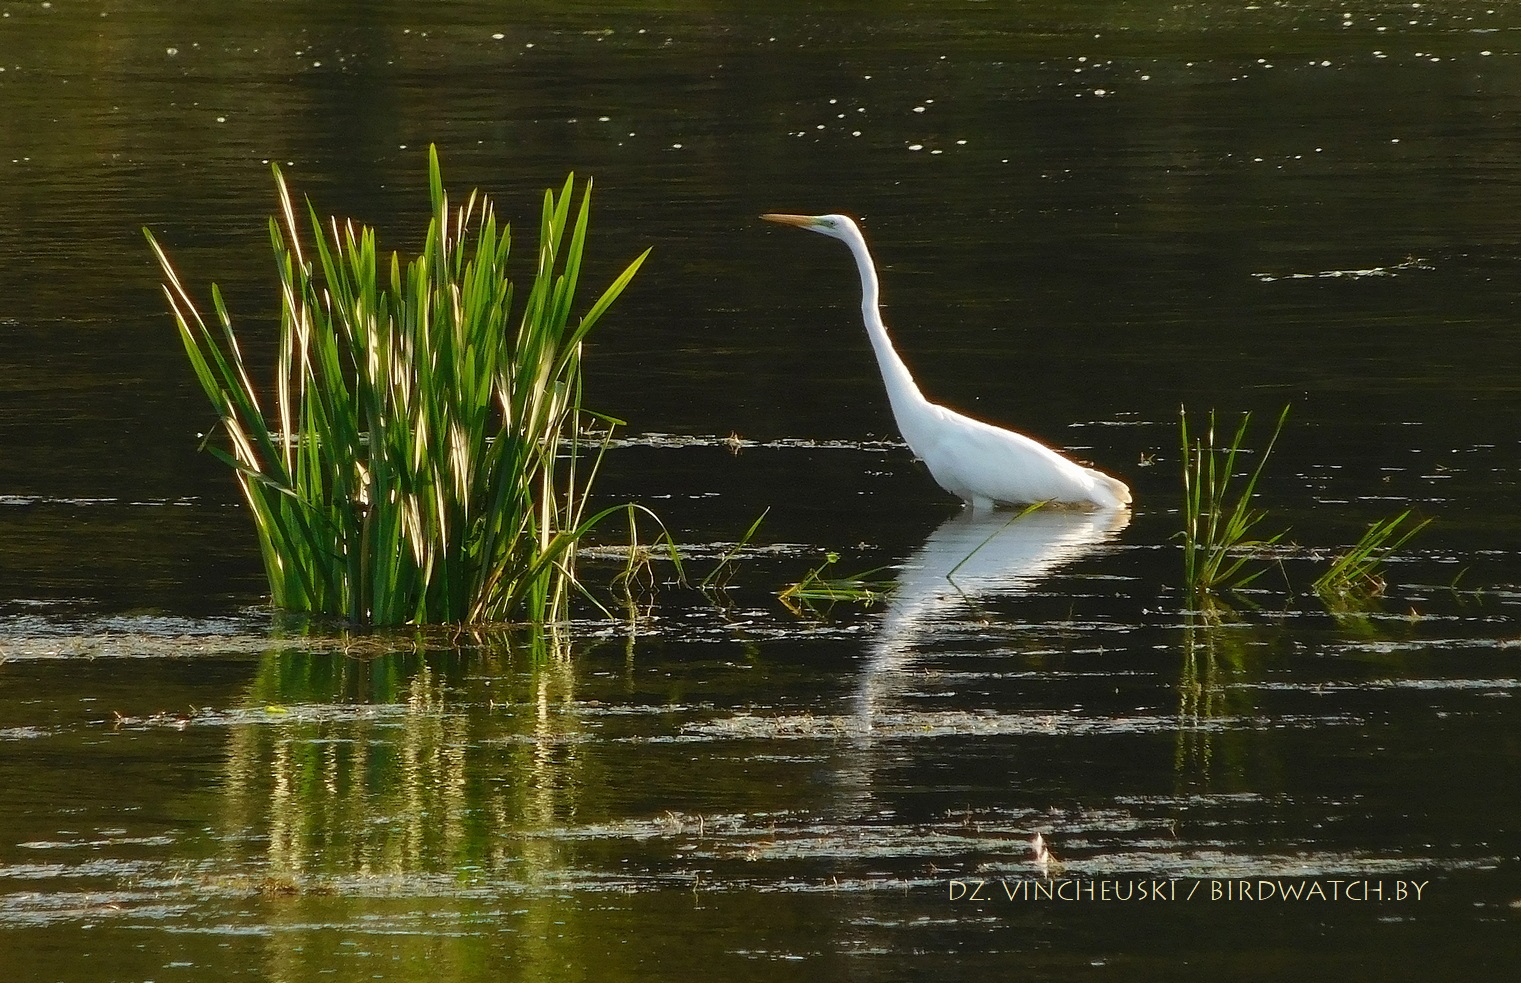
[(982, 464)]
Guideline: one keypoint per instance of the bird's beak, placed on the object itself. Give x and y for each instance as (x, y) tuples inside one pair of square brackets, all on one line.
[(801, 221)]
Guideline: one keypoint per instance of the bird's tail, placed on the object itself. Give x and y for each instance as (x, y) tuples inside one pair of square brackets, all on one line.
[(1113, 486)]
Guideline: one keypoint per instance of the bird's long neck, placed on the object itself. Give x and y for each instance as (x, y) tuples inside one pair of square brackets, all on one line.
[(902, 392)]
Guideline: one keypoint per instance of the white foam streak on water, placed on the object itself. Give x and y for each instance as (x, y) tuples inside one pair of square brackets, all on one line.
[(1395, 269)]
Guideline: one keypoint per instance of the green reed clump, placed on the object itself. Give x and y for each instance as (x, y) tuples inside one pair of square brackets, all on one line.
[(1359, 571), (1219, 519), (422, 459), (816, 589)]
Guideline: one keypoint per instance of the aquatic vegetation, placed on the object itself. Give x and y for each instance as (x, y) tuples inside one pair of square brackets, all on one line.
[(1358, 573), (815, 589), (425, 457), (635, 584), (717, 580), (1219, 518), (1219, 521)]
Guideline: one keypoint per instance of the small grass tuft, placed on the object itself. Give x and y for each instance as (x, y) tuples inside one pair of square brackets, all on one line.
[(1219, 519), (814, 590), (1359, 571)]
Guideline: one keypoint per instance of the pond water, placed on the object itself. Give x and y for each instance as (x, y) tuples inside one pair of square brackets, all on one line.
[(1085, 215)]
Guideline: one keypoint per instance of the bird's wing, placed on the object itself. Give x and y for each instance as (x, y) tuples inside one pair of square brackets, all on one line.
[(974, 459)]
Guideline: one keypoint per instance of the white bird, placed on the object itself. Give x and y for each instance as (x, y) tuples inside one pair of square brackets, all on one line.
[(982, 464)]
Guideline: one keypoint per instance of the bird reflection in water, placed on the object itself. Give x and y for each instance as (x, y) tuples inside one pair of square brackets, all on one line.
[(971, 557)]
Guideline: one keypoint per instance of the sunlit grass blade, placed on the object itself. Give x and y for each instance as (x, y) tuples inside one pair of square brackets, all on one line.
[(1032, 507), (718, 578), (815, 589), (1219, 519), (423, 458), (1359, 571)]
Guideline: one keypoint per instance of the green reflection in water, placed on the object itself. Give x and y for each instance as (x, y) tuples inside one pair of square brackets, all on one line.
[(422, 778), (1213, 739)]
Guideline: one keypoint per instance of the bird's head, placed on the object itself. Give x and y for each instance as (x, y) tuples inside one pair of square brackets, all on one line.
[(837, 226)]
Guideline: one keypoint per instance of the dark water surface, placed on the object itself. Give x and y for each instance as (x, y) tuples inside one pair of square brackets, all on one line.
[(1085, 214)]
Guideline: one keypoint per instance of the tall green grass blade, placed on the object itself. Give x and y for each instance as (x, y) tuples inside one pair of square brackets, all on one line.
[(719, 575)]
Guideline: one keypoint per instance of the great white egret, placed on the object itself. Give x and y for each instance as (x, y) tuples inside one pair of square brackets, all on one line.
[(982, 464)]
